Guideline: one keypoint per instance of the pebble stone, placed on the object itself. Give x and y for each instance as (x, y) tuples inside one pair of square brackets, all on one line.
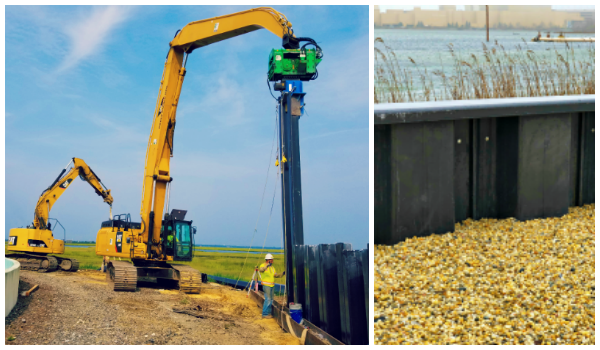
[(490, 282)]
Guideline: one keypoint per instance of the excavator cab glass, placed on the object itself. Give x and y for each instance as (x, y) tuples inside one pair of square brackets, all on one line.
[(182, 242)]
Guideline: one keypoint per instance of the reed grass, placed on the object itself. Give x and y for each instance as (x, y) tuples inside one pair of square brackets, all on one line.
[(492, 73), (256, 250), (215, 263)]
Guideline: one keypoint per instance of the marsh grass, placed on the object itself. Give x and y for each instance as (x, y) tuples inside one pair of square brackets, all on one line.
[(492, 73), (229, 265), (240, 249), (226, 265)]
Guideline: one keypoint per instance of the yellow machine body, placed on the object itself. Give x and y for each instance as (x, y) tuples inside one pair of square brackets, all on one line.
[(121, 238), (159, 239), (157, 172), (131, 245), (32, 245), (33, 240)]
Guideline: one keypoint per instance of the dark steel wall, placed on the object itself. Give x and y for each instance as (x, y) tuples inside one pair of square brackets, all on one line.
[(440, 163), (336, 290)]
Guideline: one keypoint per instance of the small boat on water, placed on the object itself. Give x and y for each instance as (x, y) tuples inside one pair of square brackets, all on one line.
[(565, 40), (562, 39)]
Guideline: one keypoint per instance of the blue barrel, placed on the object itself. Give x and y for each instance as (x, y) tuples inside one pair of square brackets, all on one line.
[(296, 312)]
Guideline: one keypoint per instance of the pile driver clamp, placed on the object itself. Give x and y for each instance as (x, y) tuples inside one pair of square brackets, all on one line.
[(294, 62)]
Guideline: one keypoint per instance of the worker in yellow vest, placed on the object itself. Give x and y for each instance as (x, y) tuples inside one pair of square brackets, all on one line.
[(268, 274)]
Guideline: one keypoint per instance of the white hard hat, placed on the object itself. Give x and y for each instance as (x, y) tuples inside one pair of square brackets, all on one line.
[(268, 257)]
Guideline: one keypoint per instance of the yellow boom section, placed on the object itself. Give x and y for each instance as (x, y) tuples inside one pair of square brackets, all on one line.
[(160, 144), (58, 187)]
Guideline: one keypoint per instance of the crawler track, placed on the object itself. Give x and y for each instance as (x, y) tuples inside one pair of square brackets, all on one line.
[(121, 276), (45, 263), (70, 265), (189, 279)]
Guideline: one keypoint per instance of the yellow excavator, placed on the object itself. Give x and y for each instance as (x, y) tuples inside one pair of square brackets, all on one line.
[(157, 241), (33, 243)]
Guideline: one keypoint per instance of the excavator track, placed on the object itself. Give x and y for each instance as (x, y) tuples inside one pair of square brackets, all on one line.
[(189, 279), (69, 265), (48, 264), (121, 276), (40, 263)]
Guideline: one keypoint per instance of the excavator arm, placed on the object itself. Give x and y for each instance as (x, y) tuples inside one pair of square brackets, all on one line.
[(157, 176), (62, 182)]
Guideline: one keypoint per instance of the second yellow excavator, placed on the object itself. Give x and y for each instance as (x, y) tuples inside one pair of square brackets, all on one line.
[(33, 243)]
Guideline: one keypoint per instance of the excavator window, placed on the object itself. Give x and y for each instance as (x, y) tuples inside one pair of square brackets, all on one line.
[(182, 241)]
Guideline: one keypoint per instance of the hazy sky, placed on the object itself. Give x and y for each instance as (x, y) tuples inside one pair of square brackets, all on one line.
[(462, 7), (82, 82)]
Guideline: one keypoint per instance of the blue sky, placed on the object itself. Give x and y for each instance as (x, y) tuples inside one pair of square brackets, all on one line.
[(82, 82)]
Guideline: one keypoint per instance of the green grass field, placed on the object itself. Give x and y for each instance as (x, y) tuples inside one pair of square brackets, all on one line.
[(211, 248), (241, 249), (215, 263)]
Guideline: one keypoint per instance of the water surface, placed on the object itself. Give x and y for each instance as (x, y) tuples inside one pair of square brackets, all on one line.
[(430, 49)]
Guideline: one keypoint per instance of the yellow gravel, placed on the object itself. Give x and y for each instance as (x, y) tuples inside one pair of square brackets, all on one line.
[(490, 282)]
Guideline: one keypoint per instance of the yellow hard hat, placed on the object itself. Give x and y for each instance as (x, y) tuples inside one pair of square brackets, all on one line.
[(268, 257)]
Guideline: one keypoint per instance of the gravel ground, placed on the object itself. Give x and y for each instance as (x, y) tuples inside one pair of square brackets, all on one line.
[(78, 308), (491, 282)]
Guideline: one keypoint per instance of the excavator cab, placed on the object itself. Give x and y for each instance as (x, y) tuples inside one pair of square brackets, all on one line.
[(182, 242), (177, 236), (178, 240)]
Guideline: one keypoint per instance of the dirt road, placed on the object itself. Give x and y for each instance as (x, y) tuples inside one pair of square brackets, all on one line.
[(78, 308)]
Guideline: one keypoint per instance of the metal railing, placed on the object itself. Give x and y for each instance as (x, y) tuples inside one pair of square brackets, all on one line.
[(438, 163)]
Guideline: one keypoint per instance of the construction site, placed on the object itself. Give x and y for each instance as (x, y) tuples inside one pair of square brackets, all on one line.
[(149, 289), (78, 308)]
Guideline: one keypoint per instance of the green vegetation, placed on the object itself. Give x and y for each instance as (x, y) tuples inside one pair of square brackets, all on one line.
[(241, 249), (229, 265), (88, 260), (226, 265), (494, 73)]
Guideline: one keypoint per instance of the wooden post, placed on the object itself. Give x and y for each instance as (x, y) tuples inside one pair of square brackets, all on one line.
[(487, 21)]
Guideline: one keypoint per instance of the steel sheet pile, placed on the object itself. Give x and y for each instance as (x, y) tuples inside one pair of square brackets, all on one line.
[(490, 282)]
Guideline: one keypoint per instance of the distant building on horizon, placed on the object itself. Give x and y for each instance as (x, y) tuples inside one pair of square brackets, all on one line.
[(474, 7), (536, 17)]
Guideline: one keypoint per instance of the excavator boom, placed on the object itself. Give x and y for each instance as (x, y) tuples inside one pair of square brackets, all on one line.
[(58, 187), (157, 241), (157, 175), (209, 31), (32, 245)]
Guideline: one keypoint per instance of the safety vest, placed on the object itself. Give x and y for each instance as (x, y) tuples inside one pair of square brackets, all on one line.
[(268, 277)]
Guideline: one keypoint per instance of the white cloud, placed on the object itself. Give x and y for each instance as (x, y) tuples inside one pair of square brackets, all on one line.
[(343, 82), (89, 34), (120, 130)]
